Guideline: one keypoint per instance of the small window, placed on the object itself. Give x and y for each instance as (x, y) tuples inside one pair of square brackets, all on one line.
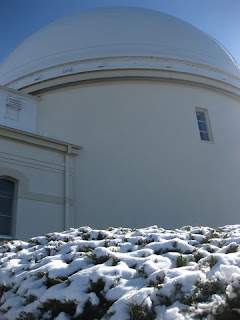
[(6, 207), (204, 125)]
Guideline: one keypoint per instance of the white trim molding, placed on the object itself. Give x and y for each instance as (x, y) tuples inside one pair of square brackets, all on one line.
[(34, 139)]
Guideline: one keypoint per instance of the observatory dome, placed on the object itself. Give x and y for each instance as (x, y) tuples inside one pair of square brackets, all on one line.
[(117, 38), (119, 116)]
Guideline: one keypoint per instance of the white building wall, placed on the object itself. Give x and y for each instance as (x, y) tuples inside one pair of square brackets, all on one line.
[(17, 110), (143, 162), (39, 198)]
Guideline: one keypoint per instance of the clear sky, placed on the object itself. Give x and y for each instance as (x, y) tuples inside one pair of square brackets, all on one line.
[(21, 18)]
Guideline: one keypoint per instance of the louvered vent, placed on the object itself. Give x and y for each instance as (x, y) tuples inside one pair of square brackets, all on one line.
[(14, 103), (12, 108)]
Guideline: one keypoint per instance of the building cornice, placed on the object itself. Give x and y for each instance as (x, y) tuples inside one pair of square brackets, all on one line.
[(23, 95), (95, 77), (37, 140), (133, 63)]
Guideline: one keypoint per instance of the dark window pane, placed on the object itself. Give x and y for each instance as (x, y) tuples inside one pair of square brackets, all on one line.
[(6, 187), (6, 203), (5, 226), (6, 206), (202, 126), (204, 136), (200, 116)]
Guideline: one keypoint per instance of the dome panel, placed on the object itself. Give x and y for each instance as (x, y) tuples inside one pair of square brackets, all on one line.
[(100, 37)]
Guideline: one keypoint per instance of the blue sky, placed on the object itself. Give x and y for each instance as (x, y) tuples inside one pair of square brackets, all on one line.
[(21, 18)]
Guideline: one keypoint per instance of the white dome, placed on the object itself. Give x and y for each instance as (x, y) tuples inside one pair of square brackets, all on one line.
[(117, 38)]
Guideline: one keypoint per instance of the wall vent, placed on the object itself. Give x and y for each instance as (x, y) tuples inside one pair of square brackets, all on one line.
[(14, 103), (12, 108)]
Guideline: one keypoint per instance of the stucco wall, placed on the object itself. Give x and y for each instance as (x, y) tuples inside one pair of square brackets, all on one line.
[(17, 110), (39, 172), (143, 162)]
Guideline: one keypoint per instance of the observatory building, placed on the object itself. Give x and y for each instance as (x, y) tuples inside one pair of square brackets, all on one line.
[(118, 116)]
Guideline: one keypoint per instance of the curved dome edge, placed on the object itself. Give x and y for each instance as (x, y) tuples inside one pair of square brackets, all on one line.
[(35, 61)]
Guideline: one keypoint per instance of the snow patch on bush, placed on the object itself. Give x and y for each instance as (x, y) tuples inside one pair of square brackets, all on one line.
[(121, 273)]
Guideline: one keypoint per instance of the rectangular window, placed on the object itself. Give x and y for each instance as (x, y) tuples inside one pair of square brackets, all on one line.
[(204, 125), (6, 207)]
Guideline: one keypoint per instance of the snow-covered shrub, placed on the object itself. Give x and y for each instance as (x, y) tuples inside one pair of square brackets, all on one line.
[(121, 273)]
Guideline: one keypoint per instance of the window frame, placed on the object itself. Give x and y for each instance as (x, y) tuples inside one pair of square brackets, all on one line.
[(207, 122), (13, 208)]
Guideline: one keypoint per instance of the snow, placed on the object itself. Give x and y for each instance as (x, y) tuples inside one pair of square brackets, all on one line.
[(120, 273)]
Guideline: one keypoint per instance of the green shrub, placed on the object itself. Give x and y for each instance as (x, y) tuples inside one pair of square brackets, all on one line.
[(181, 261), (141, 311), (26, 316), (90, 311), (101, 236), (99, 260), (55, 307), (49, 282), (31, 298), (204, 290), (211, 262), (198, 256), (232, 248), (164, 300)]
